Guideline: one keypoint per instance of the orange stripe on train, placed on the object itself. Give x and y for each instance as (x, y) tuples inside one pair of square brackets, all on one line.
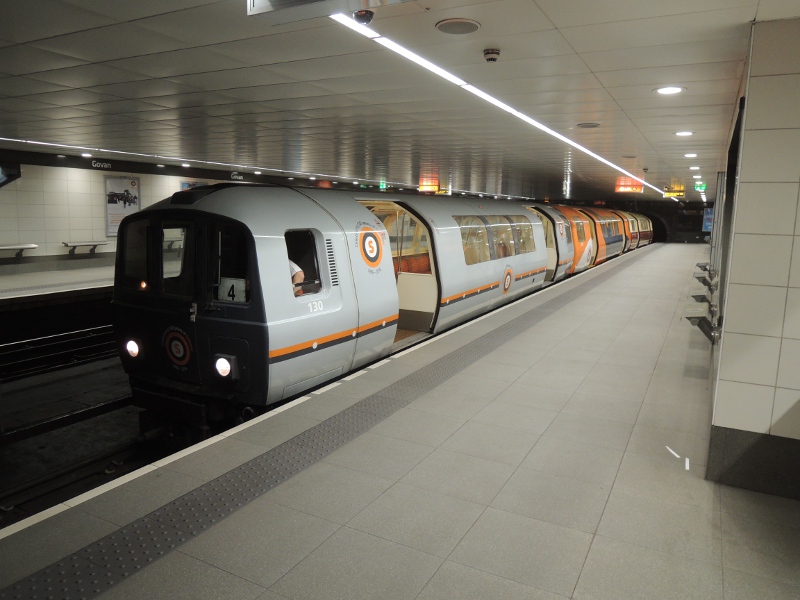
[(470, 292), (331, 338)]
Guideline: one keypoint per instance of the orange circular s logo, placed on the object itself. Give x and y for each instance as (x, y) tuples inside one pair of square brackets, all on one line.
[(508, 278), (178, 347), (370, 245)]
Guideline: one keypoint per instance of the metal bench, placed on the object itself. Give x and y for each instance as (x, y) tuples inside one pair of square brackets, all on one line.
[(75, 245), (20, 248)]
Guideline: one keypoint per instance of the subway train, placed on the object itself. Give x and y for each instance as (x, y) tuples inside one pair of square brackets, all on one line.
[(231, 297)]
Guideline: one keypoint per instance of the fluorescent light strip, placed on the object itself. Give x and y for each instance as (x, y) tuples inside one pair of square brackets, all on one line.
[(416, 58), (387, 43)]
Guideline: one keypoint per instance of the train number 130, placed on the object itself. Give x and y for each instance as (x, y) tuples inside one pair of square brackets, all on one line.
[(315, 306)]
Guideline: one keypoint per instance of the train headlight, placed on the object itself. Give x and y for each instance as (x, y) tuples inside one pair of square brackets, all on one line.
[(226, 366), (132, 348)]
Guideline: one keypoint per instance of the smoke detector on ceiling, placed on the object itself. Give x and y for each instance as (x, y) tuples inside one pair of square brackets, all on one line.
[(491, 55)]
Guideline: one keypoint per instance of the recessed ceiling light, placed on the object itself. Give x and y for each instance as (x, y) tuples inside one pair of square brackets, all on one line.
[(458, 26), (694, 168), (690, 155), (668, 90), (258, 172), (684, 133), (62, 156), (184, 164), (160, 166), (312, 178), (290, 178), (697, 176), (86, 155)]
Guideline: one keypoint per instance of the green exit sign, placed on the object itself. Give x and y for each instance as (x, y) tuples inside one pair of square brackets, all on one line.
[(699, 187)]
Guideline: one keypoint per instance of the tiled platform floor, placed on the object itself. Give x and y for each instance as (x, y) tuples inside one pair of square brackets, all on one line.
[(540, 472)]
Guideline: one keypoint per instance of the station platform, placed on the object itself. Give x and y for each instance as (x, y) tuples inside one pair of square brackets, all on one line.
[(553, 449), (22, 286)]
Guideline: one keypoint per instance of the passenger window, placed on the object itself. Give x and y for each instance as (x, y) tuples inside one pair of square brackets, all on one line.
[(474, 239), (524, 231), (136, 236), (303, 268), (502, 236), (233, 283), (567, 231), (177, 260)]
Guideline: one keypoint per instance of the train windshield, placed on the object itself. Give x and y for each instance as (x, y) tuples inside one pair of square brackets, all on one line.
[(177, 259)]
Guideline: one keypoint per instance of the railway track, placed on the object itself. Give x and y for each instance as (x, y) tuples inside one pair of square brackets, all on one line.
[(61, 433)]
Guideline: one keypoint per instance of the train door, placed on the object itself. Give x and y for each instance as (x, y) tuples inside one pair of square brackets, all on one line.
[(598, 242), (177, 265), (414, 267), (590, 228), (550, 242)]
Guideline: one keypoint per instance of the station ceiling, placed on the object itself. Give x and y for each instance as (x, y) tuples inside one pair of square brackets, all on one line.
[(200, 80)]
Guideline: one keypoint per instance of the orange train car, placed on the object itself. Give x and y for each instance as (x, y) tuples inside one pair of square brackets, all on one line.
[(607, 233), (582, 239)]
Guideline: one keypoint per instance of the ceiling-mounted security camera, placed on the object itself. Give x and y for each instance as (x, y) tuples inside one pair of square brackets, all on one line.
[(491, 55), (363, 17)]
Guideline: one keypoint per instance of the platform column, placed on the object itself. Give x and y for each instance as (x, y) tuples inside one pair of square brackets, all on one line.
[(755, 436)]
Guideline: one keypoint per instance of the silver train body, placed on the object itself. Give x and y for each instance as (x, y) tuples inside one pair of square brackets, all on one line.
[(208, 318)]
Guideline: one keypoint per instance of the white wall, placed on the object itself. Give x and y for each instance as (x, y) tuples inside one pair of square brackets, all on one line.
[(51, 205), (759, 376)]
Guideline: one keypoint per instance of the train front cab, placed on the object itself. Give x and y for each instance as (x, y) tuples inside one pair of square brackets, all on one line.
[(188, 314)]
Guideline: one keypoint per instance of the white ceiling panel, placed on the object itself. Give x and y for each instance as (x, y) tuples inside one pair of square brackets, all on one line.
[(585, 12), (25, 86), (126, 11), (679, 75), (179, 62), (109, 43), (657, 31), (25, 59), (22, 23), (667, 55), (232, 78), (332, 39)]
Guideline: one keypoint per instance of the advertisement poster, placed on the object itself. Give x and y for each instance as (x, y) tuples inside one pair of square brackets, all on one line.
[(708, 219), (122, 199), (187, 185)]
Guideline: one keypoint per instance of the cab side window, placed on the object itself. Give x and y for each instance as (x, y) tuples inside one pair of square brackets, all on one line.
[(302, 273)]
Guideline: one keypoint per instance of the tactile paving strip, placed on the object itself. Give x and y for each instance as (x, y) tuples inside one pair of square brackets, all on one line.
[(100, 565)]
